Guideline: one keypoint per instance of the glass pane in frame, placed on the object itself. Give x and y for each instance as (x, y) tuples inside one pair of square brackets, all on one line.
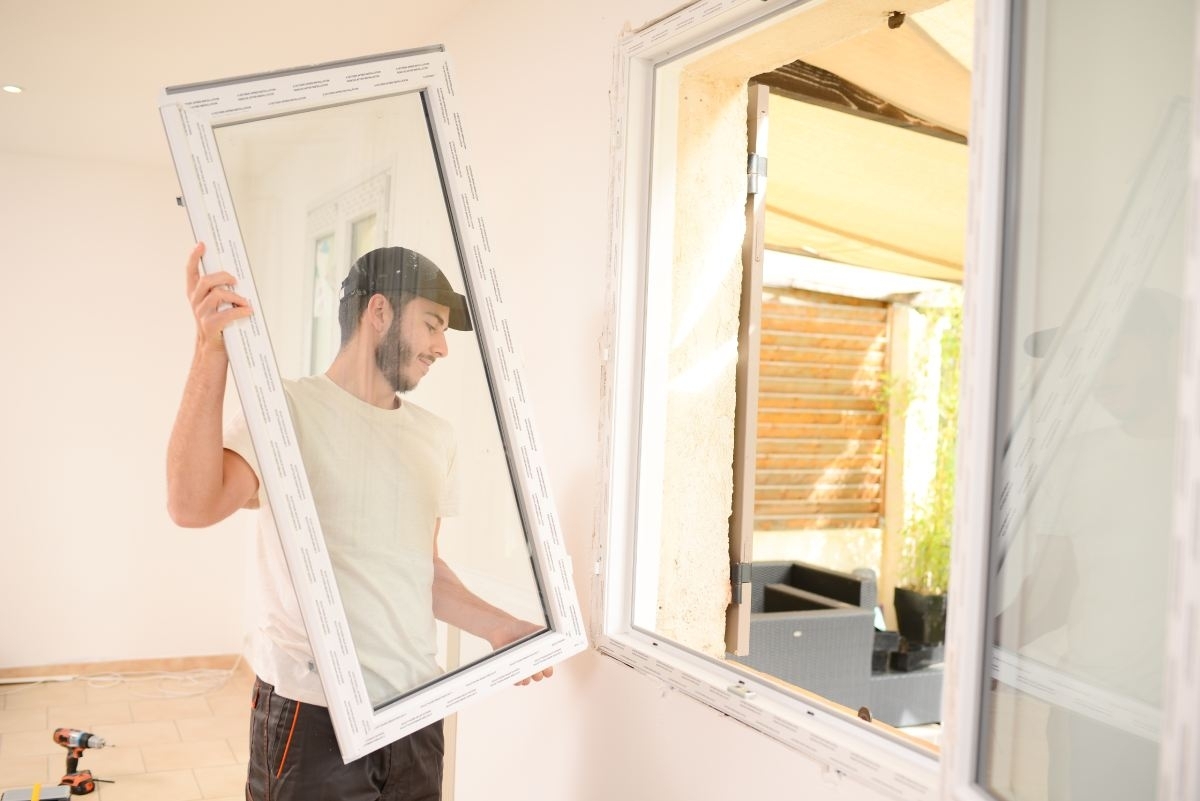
[(441, 386), (1086, 411)]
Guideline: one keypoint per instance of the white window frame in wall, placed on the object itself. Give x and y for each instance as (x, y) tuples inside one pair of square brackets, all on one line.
[(846, 745), (968, 632), (189, 115), (967, 603), (813, 728)]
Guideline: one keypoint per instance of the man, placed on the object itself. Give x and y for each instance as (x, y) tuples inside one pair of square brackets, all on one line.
[(381, 472)]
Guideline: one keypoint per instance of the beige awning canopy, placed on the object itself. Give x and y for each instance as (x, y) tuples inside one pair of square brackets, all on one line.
[(850, 187)]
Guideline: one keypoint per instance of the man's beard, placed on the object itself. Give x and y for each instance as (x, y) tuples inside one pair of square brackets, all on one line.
[(392, 354)]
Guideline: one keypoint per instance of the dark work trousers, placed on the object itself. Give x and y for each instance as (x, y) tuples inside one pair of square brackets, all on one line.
[(294, 757)]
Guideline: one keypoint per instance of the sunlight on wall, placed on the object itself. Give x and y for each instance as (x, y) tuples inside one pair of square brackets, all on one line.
[(697, 479)]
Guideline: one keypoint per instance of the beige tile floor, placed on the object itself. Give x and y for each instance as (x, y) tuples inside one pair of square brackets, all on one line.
[(168, 740)]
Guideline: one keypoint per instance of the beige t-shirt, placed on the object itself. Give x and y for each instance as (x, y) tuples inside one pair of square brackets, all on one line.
[(381, 479)]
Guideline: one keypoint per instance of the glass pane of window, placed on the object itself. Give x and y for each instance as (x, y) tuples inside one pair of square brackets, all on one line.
[(1090, 312), (325, 331), (383, 575)]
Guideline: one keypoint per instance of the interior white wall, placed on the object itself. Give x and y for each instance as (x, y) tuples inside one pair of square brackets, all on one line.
[(105, 325), (534, 80), (96, 338)]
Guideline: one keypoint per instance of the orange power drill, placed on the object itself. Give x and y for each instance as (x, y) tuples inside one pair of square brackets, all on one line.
[(81, 782)]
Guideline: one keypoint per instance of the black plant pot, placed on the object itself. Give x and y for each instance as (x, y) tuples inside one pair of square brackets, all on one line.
[(920, 618)]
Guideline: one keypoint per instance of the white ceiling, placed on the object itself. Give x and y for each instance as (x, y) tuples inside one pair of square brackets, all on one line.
[(92, 70)]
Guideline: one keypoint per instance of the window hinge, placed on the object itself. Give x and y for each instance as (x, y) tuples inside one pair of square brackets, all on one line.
[(756, 173), (739, 574)]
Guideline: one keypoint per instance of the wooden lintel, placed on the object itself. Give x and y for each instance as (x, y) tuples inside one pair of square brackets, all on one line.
[(808, 84)]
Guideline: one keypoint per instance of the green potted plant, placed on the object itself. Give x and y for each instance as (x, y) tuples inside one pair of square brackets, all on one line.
[(920, 595)]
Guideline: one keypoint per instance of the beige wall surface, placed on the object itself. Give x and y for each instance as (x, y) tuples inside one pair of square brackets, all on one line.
[(534, 80), (97, 338)]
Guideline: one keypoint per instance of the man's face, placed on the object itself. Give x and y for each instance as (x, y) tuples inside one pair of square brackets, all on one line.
[(415, 339)]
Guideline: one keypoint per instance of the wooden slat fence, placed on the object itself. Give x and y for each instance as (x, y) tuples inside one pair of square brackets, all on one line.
[(820, 426)]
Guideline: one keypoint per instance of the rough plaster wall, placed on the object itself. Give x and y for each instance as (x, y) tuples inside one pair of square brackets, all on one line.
[(710, 190)]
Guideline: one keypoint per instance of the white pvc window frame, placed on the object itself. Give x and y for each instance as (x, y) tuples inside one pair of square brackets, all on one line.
[(189, 115), (966, 634), (822, 731), (817, 730), (967, 673)]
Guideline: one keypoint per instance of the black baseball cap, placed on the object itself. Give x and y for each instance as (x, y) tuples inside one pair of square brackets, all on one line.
[(395, 270)]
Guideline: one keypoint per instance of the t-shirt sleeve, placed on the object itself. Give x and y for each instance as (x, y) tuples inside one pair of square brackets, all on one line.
[(236, 438)]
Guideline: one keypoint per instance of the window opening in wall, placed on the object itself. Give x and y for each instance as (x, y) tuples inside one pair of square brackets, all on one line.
[(856, 397), (843, 470), (1039, 681)]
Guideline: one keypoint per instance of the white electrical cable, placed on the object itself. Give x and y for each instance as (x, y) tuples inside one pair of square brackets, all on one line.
[(165, 684)]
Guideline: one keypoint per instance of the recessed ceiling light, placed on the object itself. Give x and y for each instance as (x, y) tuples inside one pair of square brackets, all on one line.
[(11, 89)]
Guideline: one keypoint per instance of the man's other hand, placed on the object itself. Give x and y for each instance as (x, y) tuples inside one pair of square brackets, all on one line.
[(515, 629)]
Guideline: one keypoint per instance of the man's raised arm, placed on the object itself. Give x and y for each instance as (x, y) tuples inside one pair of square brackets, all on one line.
[(205, 482)]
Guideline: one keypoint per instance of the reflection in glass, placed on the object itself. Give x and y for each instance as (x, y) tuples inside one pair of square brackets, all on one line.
[(1086, 408), (325, 335), (362, 236), (313, 192)]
